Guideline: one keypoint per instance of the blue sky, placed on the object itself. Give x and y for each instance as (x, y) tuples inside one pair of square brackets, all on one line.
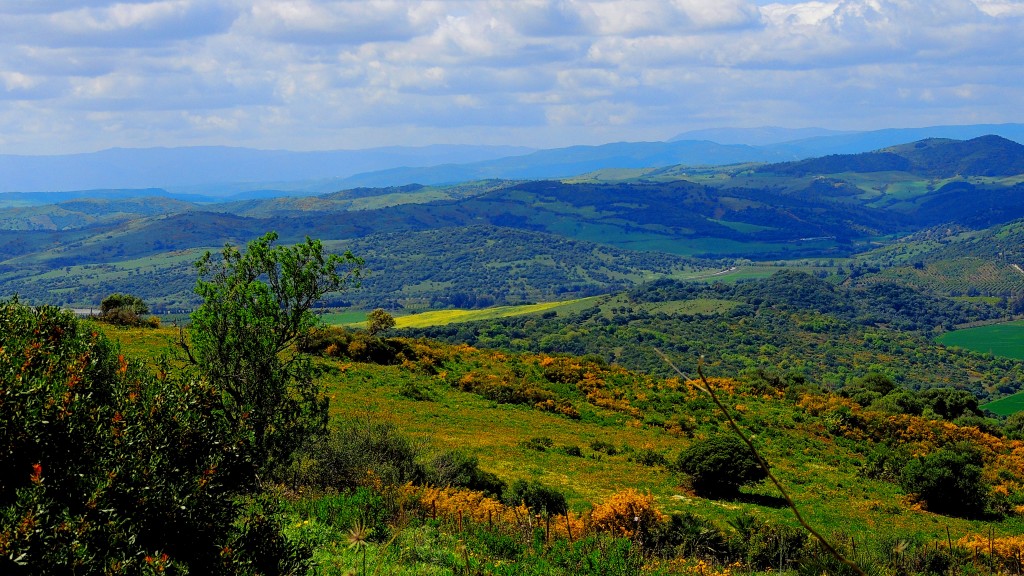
[(318, 74)]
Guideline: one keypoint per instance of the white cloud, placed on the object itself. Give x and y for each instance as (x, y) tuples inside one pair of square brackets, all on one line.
[(263, 72)]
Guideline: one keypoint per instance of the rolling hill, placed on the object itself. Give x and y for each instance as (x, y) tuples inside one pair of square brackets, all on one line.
[(778, 211)]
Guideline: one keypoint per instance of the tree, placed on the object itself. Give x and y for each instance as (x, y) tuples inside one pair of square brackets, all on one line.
[(950, 403), (129, 302), (123, 309), (378, 320), (719, 465), (254, 306)]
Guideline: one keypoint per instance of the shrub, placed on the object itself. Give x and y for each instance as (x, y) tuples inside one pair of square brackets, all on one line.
[(356, 453), (103, 465), (1013, 427), (124, 310), (538, 443), (772, 545), (126, 302), (630, 514), (536, 496), (949, 480), (719, 465), (648, 457), (571, 450), (378, 320), (691, 536), (602, 446), (886, 461), (456, 468)]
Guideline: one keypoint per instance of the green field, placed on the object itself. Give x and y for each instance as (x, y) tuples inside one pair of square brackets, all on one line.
[(443, 317), (1006, 406), (1005, 339)]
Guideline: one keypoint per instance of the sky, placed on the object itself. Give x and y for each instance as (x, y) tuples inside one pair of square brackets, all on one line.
[(320, 74)]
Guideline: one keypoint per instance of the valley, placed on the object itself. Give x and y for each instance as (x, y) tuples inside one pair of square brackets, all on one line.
[(858, 314)]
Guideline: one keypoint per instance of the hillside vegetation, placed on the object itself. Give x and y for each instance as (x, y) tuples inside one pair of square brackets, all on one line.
[(73, 252), (256, 441), (793, 323), (607, 439)]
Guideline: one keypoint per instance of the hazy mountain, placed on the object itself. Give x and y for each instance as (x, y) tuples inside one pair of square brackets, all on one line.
[(853, 143), (213, 173), (215, 168), (760, 136), (574, 160), (933, 157)]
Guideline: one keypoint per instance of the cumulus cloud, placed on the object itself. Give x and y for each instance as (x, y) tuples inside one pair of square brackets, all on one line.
[(311, 73)]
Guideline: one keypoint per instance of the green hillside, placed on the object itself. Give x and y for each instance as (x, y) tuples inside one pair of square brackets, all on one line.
[(594, 432), (951, 260), (790, 323), (815, 209)]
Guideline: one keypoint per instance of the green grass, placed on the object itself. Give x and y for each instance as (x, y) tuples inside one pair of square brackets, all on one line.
[(1005, 339), (347, 318)]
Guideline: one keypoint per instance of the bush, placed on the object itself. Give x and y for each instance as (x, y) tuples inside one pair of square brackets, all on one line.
[(719, 465), (536, 496), (773, 545), (949, 480), (629, 514), (886, 461), (1013, 427), (378, 320), (538, 443), (126, 302), (103, 465), (690, 536), (648, 457), (456, 468), (571, 450), (357, 453)]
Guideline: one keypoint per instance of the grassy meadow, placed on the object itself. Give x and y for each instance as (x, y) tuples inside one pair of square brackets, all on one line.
[(1005, 406), (1003, 339), (639, 415)]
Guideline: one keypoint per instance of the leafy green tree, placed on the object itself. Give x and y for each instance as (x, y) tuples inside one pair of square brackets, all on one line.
[(456, 468), (1013, 428), (123, 309), (378, 320), (120, 301), (950, 403), (719, 465), (255, 304)]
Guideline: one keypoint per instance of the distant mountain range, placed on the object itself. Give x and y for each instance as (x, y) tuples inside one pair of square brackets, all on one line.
[(207, 174), (420, 237)]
